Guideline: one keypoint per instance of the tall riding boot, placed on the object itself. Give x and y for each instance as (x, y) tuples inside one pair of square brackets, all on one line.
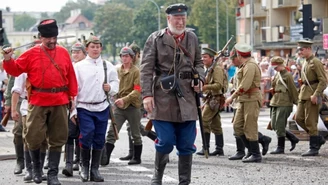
[(47, 161), (42, 158), (136, 155), (240, 150), (265, 141), (76, 166), (160, 163), (247, 145), (281, 146), (321, 141), (28, 163), (19, 149), (109, 150), (185, 162), (94, 172), (54, 158), (35, 154), (255, 151), (293, 139), (219, 146), (207, 141), (85, 164), (315, 143), (130, 155), (69, 152), (152, 135)]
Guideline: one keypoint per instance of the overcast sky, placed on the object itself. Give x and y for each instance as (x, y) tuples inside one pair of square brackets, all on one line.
[(34, 5)]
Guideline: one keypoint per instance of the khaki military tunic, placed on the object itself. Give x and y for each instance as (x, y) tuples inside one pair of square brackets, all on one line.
[(214, 84), (249, 100), (307, 113), (130, 92), (282, 101)]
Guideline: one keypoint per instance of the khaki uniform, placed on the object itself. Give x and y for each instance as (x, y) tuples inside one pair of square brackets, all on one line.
[(307, 113), (282, 101), (249, 100), (211, 118), (129, 91)]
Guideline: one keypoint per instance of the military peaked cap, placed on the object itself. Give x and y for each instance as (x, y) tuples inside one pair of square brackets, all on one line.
[(305, 43), (208, 51), (276, 61), (243, 49), (177, 9)]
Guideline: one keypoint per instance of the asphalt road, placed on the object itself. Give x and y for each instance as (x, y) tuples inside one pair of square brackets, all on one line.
[(287, 169)]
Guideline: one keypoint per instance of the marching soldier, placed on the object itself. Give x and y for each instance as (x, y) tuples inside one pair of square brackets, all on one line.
[(284, 96), (128, 105), (214, 90), (92, 106), (248, 95), (78, 53), (50, 93), (314, 81), (263, 139)]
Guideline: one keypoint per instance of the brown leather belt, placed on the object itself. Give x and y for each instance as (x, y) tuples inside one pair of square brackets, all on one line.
[(92, 103), (311, 82), (252, 90), (51, 90), (277, 91)]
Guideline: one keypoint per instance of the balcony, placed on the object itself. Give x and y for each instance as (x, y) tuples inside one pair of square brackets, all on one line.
[(274, 34), (259, 10), (284, 4)]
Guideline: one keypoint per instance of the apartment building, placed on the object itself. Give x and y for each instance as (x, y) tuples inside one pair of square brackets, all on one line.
[(273, 28)]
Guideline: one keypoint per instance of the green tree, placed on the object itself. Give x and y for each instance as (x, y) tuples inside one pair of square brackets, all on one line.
[(112, 22), (87, 9), (23, 22)]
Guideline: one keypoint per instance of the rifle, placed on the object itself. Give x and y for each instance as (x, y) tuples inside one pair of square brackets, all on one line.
[(148, 126), (112, 122), (5, 119), (199, 111), (316, 51)]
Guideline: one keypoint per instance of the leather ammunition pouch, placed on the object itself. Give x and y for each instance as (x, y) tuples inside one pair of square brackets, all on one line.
[(168, 83), (216, 103)]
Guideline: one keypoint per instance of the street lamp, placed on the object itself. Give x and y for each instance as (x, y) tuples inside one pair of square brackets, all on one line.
[(159, 14), (217, 23)]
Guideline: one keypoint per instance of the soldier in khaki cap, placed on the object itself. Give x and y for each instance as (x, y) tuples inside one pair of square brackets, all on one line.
[(284, 96), (214, 90), (248, 95), (314, 82)]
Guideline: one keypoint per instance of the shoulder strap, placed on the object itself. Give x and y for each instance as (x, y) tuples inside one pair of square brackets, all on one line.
[(282, 81), (105, 80), (54, 63)]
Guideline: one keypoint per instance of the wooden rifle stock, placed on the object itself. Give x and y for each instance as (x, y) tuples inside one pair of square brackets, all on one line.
[(112, 122), (5, 119), (149, 125)]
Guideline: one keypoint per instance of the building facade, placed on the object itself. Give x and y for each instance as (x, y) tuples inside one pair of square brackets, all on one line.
[(274, 27)]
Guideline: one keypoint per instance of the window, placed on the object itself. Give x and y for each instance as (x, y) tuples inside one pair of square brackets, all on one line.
[(82, 25)]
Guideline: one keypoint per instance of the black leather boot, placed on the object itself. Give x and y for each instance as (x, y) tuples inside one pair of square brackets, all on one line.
[(76, 162), (109, 150), (35, 154), (69, 153), (152, 135), (42, 158), (281, 146), (293, 139), (54, 158), (185, 163), (255, 153), (28, 163), (130, 155), (219, 146), (85, 164), (240, 150), (160, 163), (94, 172), (265, 141), (136, 155), (19, 149), (246, 144), (315, 143), (207, 141), (321, 141)]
